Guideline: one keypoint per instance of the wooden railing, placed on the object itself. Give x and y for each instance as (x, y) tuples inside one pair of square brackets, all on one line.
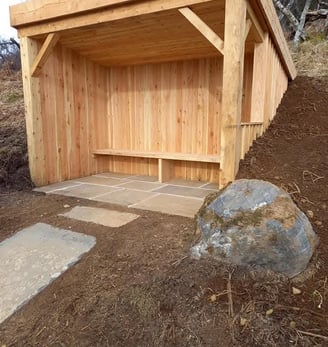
[(249, 133)]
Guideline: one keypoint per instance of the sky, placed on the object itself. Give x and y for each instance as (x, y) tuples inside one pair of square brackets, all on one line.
[(5, 30)]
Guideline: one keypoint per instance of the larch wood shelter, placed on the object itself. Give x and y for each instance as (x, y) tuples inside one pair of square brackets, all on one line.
[(172, 88)]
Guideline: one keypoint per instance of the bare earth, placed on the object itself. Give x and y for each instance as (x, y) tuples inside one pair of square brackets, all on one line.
[(138, 287)]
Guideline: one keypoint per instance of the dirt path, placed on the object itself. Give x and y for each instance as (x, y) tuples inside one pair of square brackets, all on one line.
[(137, 288)]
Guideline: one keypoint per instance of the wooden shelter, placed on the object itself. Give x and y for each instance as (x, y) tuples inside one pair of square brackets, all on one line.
[(172, 88)]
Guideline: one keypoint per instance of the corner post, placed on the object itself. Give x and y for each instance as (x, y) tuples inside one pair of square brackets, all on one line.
[(232, 88), (31, 86)]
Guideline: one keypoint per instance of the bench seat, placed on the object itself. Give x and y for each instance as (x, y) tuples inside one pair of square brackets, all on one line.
[(165, 159)]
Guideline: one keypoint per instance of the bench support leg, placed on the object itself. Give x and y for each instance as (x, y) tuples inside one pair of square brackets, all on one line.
[(165, 170)]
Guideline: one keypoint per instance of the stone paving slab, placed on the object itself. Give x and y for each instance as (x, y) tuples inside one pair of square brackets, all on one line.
[(34, 257), (214, 186), (135, 190), (184, 191), (144, 178), (102, 216), (86, 191), (170, 204), (145, 186), (125, 197), (107, 181), (184, 183), (57, 186), (113, 175)]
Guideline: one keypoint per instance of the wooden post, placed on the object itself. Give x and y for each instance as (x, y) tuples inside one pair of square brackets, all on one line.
[(232, 87), (259, 80), (29, 50)]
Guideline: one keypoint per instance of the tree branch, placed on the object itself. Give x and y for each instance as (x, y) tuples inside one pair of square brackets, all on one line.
[(299, 30)]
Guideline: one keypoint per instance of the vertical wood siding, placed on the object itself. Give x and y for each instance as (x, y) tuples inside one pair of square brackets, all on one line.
[(170, 107)]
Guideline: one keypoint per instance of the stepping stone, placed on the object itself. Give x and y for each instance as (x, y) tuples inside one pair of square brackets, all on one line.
[(102, 216), (33, 258)]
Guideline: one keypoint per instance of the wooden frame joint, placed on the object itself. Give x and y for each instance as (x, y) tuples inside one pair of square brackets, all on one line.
[(44, 53), (203, 28), (259, 32)]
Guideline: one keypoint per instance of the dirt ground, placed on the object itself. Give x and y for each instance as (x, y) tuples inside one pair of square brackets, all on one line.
[(138, 287)]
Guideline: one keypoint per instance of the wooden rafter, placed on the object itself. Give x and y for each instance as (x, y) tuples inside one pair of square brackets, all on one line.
[(44, 53), (258, 28), (247, 28), (203, 28)]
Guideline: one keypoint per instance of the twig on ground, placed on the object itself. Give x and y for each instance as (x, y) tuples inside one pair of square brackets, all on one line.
[(177, 262), (230, 301), (312, 334), (314, 177), (298, 309)]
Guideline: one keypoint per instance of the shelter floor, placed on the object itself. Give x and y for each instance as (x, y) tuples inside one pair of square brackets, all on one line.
[(177, 197)]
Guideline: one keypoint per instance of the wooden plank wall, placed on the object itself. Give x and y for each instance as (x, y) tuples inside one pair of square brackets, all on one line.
[(171, 107), (270, 79)]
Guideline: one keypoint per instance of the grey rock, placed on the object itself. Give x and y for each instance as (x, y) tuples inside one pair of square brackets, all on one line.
[(253, 222)]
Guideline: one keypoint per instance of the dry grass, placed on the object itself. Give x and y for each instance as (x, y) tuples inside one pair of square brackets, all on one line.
[(311, 58)]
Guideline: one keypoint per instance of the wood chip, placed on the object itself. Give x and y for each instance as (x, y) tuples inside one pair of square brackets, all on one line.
[(296, 291)]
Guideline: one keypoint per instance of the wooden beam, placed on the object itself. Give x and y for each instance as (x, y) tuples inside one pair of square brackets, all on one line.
[(44, 53), (257, 26), (203, 28), (105, 15), (32, 101), (41, 10), (247, 28), (232, 89), (267, 10), (165, 170)]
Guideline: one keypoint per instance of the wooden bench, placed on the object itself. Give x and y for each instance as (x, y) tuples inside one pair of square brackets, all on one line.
[(165, 160)]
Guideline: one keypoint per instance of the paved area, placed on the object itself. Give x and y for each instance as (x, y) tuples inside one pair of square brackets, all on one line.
[(176, 197), (34, 257), (109, 218)]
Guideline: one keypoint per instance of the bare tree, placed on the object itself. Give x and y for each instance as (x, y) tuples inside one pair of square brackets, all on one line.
[(10, 54), (294, 14), (300, 28)]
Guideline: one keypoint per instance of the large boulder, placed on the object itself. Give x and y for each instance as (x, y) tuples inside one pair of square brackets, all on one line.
[(253, 222)]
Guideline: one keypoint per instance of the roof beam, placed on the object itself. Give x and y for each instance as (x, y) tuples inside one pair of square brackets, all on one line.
[(44, 53), (111, 13), (40, 10), (247, 28), (203, 28), (258, 28)]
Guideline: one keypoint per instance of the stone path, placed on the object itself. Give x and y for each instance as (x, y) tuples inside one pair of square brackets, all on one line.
[(34, 257), (178, 197), (37, 255), (102, 216)]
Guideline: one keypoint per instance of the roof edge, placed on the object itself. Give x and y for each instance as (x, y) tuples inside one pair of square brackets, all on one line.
[(271, 18)]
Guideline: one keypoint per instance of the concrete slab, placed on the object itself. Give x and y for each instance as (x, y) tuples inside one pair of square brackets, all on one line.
[(176, 205), (86, 191), (56, 186), (102, 216), (144, 186), (184, 191), (125, 197), (34, 257), (107, 181)]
